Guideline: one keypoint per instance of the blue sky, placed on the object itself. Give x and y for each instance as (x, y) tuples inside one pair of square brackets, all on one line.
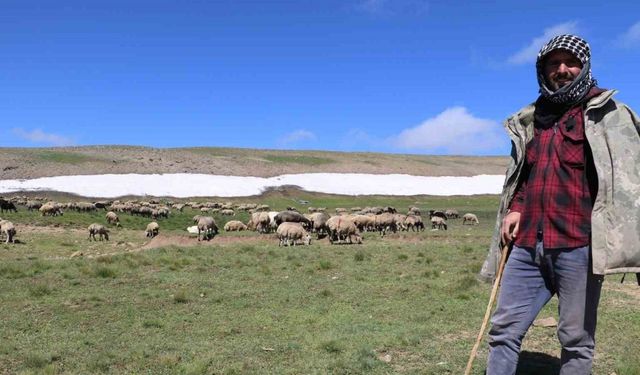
[(401, 76)]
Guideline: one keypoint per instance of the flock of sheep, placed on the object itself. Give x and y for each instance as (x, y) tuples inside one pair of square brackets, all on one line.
[(290, 226)]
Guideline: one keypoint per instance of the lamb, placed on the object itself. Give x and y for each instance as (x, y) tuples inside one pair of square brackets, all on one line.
[(152, 229), (8, 229), (99, 229), (112, 218), (234, 226), (207, 226), (289, 233), (438, 223), (471, 218)]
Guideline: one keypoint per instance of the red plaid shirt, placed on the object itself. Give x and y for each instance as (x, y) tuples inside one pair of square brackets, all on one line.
[(555, 195)]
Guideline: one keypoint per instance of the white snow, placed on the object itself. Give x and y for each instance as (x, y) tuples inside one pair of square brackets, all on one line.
[(181, 185)]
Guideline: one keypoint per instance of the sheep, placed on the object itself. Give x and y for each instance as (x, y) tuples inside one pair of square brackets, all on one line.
[(8, 229), (207, 226), (260, 221), (234, 226), (292, 217), (469, 217), (99, 229), (399, 219), (33, 205), (414, 222), (342, 229), (6, 205), (227, 212), (452, 213), (319, 223), (152, 229), (50, 209), (384, 222), (413, 210), (437, 213), (112, 218), (365, 223), (438, 223), (289, 233)]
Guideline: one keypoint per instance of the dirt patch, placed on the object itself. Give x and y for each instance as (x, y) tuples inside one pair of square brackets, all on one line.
[(163, 240)]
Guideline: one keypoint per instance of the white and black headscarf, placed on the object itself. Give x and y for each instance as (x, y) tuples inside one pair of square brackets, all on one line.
[(574, 92)]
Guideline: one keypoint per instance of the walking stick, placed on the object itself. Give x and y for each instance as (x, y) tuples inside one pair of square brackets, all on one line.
[(487, 314)]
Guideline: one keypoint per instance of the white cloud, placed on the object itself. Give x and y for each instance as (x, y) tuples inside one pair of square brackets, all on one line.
[(39, 137), (393, 7), (454, 131), (630, 38), (529, 53), (297, 136)]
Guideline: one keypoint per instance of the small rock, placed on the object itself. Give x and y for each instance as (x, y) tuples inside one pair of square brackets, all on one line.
[(386, 358), (545, 322)]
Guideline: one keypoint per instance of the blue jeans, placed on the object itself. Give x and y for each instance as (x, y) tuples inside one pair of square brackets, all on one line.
[(531, 277)]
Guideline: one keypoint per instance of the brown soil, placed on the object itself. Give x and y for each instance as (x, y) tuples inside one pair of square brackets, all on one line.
[(26, 163)]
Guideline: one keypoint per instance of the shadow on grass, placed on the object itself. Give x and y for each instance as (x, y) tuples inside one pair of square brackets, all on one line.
[(532, 363)]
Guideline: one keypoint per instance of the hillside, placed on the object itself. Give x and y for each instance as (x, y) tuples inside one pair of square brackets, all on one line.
[(26, 163)]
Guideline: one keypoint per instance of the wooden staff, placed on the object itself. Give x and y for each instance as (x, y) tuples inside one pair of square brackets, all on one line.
[(487, 314)]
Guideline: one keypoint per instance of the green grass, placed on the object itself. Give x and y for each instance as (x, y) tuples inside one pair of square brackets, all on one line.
[(408, 303)]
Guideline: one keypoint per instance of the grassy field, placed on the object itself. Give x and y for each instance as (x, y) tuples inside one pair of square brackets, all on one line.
[(408, 303)]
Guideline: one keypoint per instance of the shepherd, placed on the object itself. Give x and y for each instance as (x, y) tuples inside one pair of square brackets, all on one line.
[(569, 208)]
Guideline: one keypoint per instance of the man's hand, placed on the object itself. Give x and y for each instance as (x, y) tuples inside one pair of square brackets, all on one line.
[(510, 227)]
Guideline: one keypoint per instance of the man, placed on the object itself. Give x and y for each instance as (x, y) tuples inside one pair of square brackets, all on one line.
[(570, 207)]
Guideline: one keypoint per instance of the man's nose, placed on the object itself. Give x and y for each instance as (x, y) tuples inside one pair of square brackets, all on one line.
[(563, 67)]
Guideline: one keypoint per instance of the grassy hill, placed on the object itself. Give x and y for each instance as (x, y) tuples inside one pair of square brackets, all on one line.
[(18, 163)]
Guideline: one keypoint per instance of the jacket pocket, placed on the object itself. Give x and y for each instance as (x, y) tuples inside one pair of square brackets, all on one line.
[(571, 151)]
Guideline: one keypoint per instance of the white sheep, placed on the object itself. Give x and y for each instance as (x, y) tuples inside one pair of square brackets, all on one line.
[(471, 218), (234, 226), (152, 229), (289, 233), (8, 229), (112, 218)]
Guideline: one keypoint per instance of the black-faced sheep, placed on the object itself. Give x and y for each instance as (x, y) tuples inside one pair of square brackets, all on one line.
[(100, 230)]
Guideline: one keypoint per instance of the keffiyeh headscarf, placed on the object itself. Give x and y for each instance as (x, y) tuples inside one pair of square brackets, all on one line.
[(574, 92)]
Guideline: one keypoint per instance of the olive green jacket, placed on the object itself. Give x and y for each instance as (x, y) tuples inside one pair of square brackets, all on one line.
[(613, 132)]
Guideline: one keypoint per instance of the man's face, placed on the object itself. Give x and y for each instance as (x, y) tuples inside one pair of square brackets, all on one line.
[(561, 68)]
